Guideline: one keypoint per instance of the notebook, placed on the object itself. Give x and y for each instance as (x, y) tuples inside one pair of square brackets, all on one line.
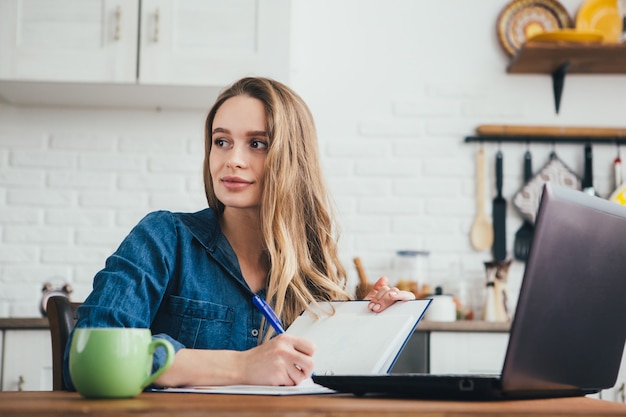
[(568, 332), (353, 340)]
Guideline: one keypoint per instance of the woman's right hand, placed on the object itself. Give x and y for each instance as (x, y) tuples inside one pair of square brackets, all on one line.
[(283, 360)]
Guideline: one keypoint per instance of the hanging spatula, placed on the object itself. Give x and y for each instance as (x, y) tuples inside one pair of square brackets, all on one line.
[(499, 214), (587, 183), (524, 235)]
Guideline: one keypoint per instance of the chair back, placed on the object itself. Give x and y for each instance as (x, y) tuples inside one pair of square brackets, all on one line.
[(61, 318)]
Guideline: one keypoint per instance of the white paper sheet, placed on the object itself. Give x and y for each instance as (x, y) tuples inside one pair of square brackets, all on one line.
[(306, 387)]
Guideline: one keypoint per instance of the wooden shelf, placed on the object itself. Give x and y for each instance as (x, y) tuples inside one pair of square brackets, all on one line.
[(546, 58), (549, 134), (561, 58)]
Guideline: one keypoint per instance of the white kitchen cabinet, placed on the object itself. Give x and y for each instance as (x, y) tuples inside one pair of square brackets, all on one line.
[(200, 42), (138, 53), (69, 40), (27, 360), (467, 352)]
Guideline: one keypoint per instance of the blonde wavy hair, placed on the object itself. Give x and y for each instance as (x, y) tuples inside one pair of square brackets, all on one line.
[(296, 214)]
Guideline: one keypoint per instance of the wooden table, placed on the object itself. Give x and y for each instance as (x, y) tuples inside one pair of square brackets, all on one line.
[(59, 403)]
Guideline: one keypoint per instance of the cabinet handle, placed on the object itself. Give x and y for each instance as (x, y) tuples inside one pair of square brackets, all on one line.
[(20, 383), (156, 26), (118, 20)]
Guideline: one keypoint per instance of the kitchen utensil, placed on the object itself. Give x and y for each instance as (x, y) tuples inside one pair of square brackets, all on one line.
[(481, 234), (524, 235), (526, 200), (363, 287), (497, 299), (587, 184), (499, 214), (603, 16), (619, 195), (617, 169), (521, 19)]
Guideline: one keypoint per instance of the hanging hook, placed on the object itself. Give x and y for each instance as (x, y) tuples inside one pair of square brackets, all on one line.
[(553, 151)]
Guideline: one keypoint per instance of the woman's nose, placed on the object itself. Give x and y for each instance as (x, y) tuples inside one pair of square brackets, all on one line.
[(236, 158), (232, 163)]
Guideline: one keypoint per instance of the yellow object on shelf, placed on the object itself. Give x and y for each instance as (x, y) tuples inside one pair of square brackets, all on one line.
[(603, 16), (619, 195), (568, 35)]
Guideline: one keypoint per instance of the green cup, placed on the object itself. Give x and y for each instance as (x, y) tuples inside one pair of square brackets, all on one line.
[(115, 362)]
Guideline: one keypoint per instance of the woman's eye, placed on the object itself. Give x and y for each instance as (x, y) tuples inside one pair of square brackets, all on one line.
[(219, 142), (257, 144)]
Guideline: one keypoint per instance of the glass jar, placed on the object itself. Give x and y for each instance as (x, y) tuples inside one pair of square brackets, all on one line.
[(410, 270)]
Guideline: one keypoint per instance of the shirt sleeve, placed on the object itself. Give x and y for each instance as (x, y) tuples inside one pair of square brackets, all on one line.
[(128, 291), (158, 359)]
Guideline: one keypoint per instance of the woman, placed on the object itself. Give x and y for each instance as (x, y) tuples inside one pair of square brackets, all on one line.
[(190, 277)]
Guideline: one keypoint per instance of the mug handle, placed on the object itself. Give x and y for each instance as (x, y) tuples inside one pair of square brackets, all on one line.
[(168, 360)]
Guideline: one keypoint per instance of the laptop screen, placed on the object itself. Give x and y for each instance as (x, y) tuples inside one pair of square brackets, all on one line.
[(569, 328)]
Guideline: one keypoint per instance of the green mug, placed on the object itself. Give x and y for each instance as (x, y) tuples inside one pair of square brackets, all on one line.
[(115, 362)]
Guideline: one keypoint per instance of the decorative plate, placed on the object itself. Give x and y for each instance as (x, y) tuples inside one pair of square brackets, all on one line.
[(568, 35), (522, 19), (600, 15)]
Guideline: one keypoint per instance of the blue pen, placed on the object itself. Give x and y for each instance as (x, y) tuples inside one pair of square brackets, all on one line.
[(269, 314)]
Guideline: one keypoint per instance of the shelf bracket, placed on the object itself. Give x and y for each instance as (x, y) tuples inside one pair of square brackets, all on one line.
[(558, 79)]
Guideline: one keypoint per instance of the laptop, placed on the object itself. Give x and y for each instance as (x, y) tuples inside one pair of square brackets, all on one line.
[(568, 332)]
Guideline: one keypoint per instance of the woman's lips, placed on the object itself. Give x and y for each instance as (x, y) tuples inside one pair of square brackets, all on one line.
[(235, 183)]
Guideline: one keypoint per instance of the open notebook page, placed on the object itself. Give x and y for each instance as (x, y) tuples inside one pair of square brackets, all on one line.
[(354, 340)]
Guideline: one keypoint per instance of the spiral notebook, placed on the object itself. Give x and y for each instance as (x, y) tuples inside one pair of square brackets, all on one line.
[(352, 340)]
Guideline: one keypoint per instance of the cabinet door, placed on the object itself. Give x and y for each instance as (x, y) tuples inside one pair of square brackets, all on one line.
[(69, 40), (213, 42), (27, 361), (465, 352)]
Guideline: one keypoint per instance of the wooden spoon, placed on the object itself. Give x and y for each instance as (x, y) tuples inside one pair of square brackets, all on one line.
[(364, 287), (481, 235)]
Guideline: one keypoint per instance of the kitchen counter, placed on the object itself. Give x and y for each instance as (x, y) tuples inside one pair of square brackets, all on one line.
[(23, 323), (464, 326), (425, 325)]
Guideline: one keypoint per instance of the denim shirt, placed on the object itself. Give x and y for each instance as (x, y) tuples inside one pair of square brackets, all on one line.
[(176, 274)]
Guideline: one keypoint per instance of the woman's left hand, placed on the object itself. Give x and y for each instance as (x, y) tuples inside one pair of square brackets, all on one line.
[(382, 296)]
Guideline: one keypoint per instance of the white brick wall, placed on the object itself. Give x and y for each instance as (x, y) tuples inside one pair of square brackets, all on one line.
[(395, 86), (73, 183)]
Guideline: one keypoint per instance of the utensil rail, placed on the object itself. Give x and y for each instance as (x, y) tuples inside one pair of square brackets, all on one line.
[(613, 140)]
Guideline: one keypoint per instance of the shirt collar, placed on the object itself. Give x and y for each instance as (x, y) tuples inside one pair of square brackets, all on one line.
[(204, 226)]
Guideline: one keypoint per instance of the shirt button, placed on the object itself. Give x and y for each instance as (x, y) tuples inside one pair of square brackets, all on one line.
[(255, 332)]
